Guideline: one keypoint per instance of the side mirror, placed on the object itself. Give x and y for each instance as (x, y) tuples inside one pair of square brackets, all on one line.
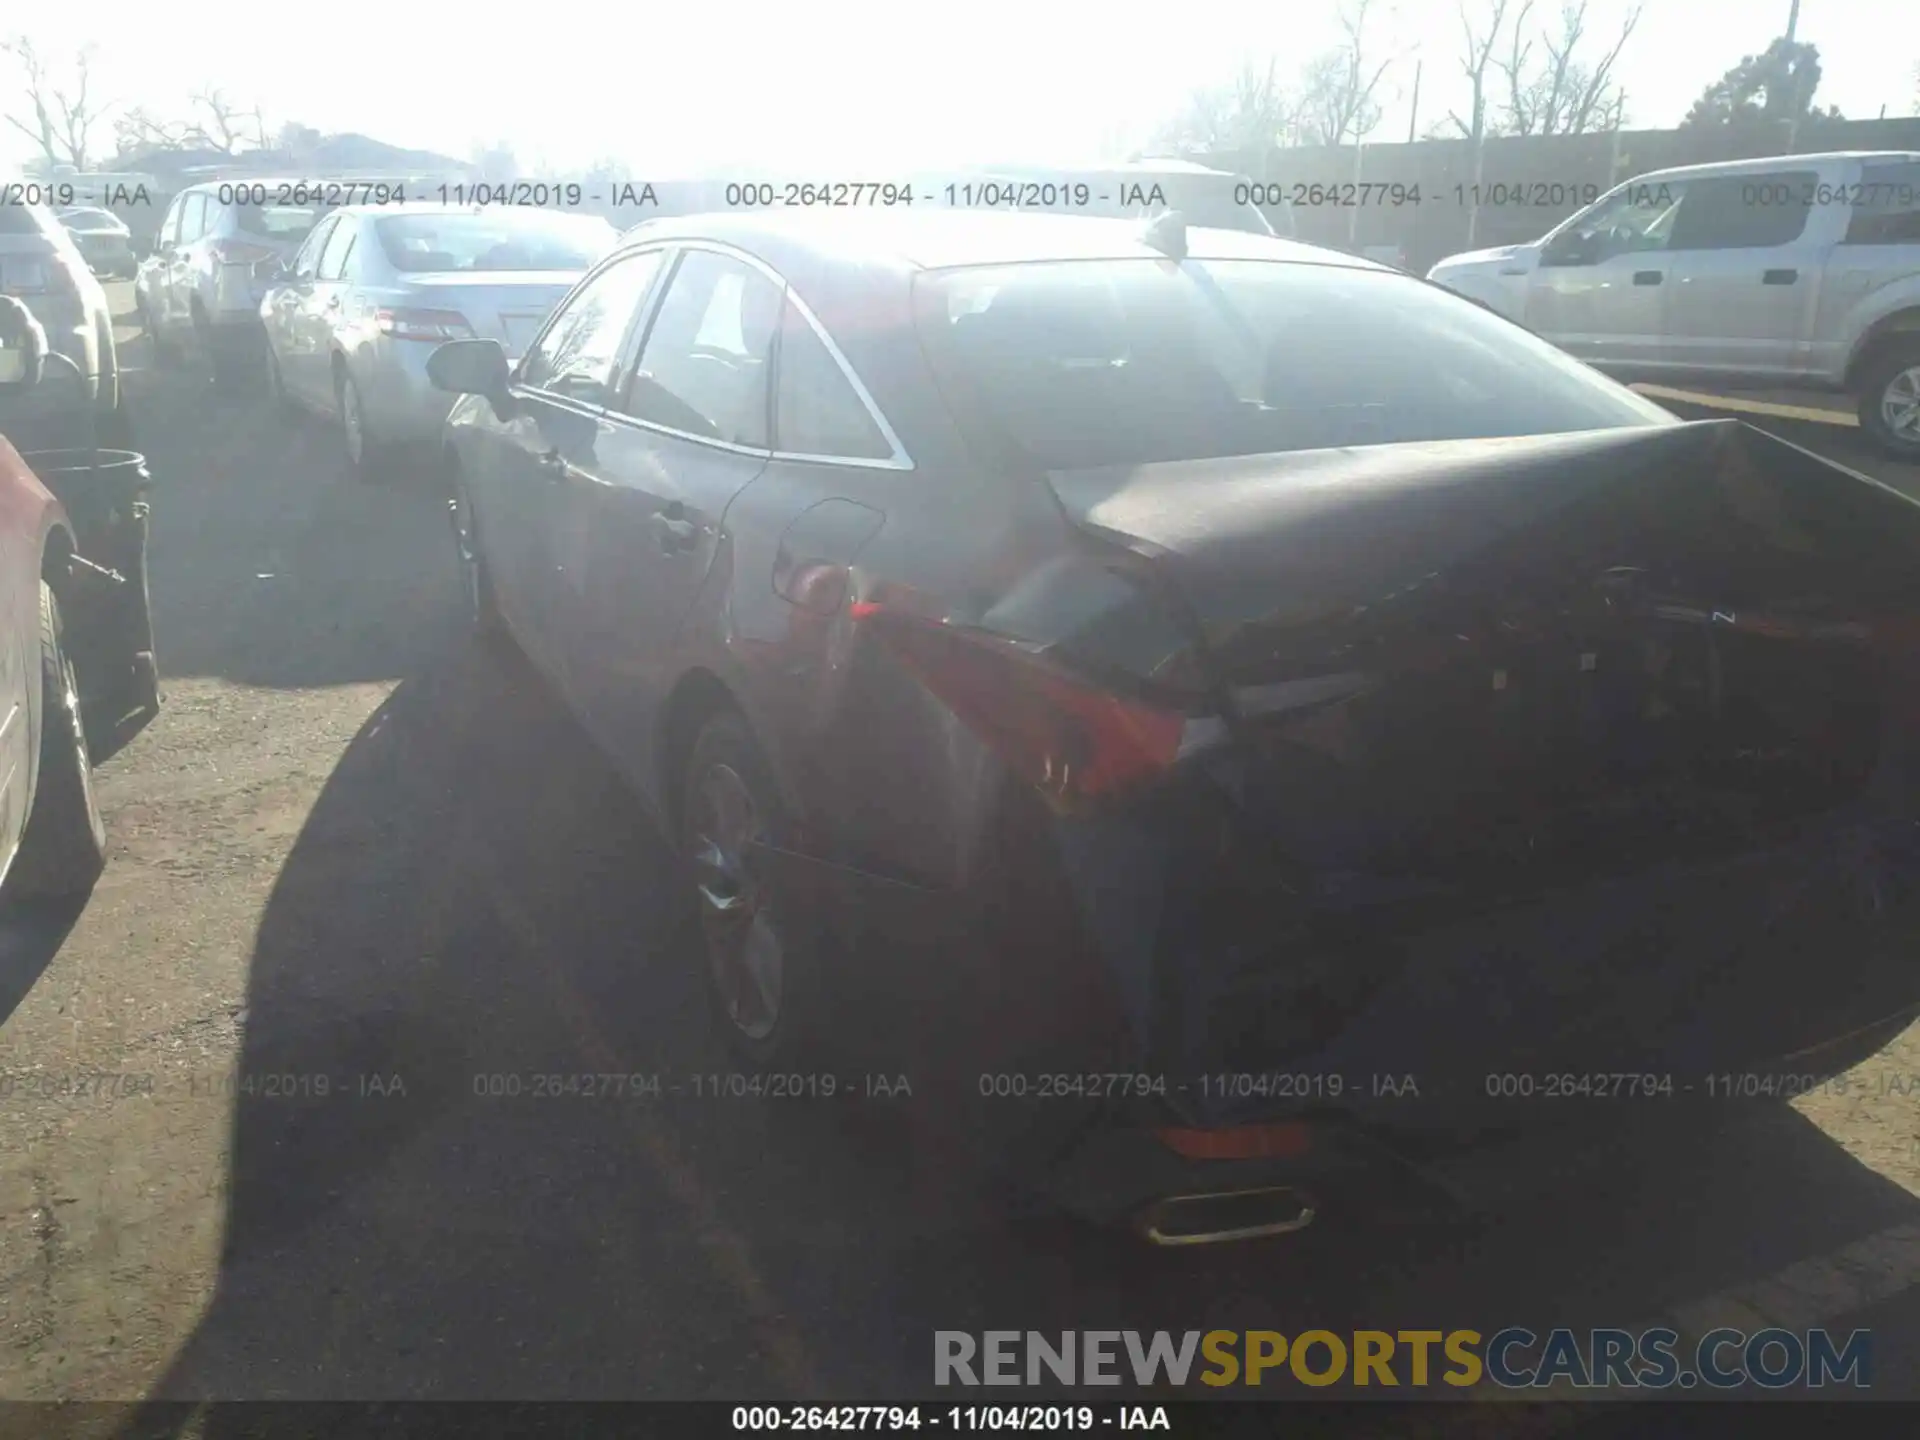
[(1576, 247), (472, 367), (273, 269), (23, 347)]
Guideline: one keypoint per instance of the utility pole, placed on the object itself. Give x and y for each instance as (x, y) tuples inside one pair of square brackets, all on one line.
[(1793, 20), (1413, 117)]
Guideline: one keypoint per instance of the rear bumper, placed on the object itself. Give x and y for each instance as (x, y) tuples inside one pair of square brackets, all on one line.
[(1064, 1043)]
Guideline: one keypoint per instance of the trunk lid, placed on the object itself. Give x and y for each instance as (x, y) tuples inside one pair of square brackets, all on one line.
[(1495, 665), (504, 305)]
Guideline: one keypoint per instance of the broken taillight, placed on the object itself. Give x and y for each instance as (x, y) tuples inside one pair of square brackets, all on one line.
[(1068, 738)]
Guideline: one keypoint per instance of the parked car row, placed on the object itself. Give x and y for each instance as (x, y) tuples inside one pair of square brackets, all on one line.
[(1794, 270), (1103, 647)]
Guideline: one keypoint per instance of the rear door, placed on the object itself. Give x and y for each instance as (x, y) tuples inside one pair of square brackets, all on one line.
[(639, 535), (1748, 254)]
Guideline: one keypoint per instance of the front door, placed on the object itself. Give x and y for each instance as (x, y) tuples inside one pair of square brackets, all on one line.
[(1746, 274), (320, 311), (1600, 290), (535, 461), (692, 432)]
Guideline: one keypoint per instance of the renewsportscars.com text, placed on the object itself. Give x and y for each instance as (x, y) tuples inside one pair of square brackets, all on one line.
[(1513, 1358)]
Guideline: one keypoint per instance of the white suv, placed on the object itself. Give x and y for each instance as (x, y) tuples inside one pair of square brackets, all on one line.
[(203, 283)]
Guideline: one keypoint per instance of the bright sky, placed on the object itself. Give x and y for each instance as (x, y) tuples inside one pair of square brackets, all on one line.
[(855, 89)]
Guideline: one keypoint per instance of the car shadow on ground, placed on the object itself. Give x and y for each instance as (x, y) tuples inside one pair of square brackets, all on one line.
[(30, 936), (265, 554), (474, 904)]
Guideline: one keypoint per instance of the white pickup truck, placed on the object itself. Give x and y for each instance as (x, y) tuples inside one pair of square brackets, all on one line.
[(1794, 271)]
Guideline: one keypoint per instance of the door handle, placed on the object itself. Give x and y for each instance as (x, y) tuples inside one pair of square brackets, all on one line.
[(1779, 277), (1648, 277), (554, 465), (674, 536)]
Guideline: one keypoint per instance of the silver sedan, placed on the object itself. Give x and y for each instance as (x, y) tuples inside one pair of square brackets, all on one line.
[(352, 318)]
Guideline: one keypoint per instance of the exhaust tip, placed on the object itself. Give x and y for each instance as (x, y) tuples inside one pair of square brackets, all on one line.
[(1219, 1217)]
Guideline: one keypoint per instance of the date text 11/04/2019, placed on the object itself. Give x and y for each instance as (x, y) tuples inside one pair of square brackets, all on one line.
[(1392, 194), (952, 1417)]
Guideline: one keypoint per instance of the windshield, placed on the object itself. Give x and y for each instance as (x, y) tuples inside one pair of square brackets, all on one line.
[(89, 219), (1122, 362), (278, 222), (493, 241)]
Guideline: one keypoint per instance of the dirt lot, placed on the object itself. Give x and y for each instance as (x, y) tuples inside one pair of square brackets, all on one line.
[(354, 851)]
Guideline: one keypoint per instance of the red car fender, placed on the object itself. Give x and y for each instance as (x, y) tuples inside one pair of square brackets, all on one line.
[(30, 517)]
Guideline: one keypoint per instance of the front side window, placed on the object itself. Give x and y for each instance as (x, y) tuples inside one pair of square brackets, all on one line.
[(579, 355), (1128, 362), (1886, 206), (704, 369), (816, 410), (339, 247), (1636, 219), (1745, 212), (170, 227), (307, 262), (193, 218), (496, 239)]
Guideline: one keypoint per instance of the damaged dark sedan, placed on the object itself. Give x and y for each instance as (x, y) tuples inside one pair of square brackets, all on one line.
[(1233, 715)]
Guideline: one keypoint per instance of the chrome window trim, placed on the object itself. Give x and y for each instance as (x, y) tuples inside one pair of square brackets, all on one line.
[(898, 460)]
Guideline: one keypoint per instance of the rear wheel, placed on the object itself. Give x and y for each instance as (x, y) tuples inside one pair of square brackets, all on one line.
[(276, 384), (1889, 399), (65, 844), (761, 976)]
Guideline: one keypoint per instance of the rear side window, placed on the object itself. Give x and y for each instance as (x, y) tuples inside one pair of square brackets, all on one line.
[(1745, 212), (1886, 206), (704, 369), (816, 410), (1127, 362)]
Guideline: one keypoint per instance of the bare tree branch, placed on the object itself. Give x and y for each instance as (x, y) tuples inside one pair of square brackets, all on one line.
[(63, 115)]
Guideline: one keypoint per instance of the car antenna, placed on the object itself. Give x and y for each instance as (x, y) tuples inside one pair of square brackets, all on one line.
[(1167, 233)]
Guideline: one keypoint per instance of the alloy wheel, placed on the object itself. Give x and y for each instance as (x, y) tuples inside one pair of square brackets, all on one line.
[(1900, 404), (744, 948)]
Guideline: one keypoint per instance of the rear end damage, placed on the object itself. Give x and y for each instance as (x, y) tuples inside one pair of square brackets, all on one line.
[(1425, 792)]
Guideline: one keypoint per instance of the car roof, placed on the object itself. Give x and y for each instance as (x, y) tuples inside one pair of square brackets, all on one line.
[(1774, 162), (925, 238), (435, 207)]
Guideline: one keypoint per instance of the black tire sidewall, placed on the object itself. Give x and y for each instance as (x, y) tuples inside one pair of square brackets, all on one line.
[(64, 846), (799, 1033)]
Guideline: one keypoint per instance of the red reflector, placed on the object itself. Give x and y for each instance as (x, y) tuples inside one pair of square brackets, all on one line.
[(1244, 1142), (1063, 736)]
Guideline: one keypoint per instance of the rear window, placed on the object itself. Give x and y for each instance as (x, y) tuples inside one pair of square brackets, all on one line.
[(1127, 362), (277, 222), (490, 240), (89, 219)]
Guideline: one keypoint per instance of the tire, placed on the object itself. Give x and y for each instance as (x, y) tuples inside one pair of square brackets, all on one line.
[(116, 430), (770, 1015), (65, 845), (1889, 388), (367, 459), (164, 351), (476, 579), (222, 362), (277, 395)]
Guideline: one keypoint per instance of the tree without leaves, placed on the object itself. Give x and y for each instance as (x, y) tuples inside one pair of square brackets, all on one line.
[(1337, 90), (63, 114), (1254, 112), (1474, 60), (1562, 94)]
